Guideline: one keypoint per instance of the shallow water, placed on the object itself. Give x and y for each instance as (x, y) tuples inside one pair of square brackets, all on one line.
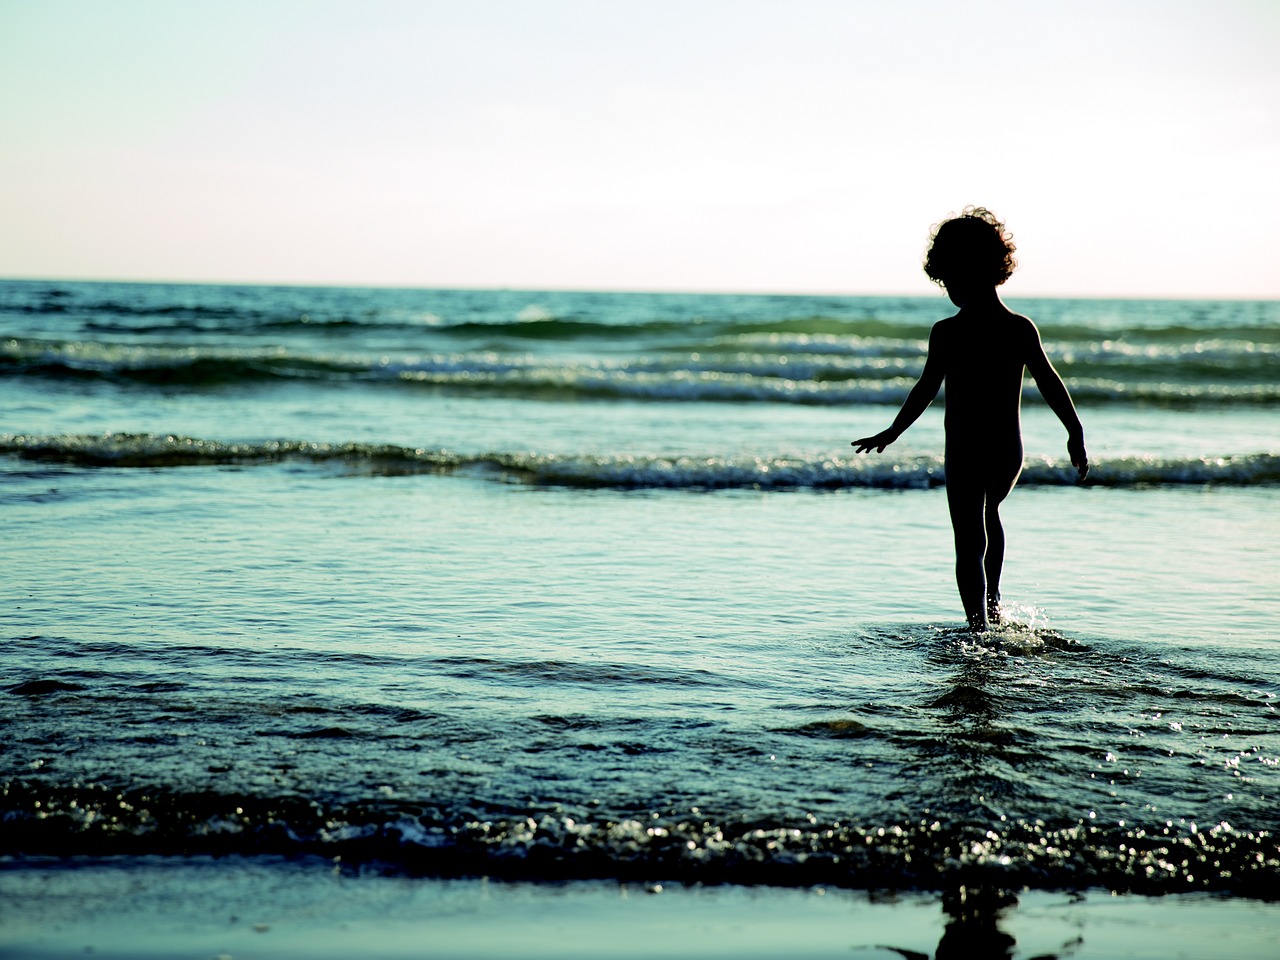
[(532, 634)]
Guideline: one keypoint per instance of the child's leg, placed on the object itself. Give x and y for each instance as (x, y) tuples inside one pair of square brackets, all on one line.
[(993, 561), (967, 501)]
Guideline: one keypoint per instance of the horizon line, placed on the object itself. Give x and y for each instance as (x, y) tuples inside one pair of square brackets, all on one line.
[(656, 291)]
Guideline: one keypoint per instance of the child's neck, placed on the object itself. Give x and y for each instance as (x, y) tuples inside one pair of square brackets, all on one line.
[(975, 298)]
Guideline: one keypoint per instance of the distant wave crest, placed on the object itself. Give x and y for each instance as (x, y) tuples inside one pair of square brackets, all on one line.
[(799, 370)]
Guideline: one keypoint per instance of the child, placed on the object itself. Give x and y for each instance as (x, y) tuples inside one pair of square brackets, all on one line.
[(980, 354)]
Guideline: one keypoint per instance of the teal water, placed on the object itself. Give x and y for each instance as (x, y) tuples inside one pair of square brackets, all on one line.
[(557, 585)]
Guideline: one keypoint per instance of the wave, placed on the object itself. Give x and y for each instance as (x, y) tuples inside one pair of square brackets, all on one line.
[(931, 853), (61, 305), (803, 370), (181, 366), (619, 472)]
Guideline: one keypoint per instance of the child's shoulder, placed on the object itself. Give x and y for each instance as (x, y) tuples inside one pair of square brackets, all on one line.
[(1024, 325), (1016, 323)]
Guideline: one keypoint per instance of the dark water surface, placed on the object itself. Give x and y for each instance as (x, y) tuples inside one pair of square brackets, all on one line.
[(562, 586)]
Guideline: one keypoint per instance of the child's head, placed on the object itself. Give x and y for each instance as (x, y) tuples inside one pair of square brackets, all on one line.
[(973, 248)]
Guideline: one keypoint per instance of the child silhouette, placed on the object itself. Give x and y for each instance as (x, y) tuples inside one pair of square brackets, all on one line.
[(980, 354)]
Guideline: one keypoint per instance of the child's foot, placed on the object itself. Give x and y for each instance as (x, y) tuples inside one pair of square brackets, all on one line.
[(993, 611)]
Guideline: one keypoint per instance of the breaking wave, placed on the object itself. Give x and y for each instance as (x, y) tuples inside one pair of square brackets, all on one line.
[(619, 472)]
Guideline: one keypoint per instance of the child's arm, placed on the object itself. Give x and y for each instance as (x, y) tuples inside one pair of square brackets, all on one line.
[(1055, 394), (917, 401)]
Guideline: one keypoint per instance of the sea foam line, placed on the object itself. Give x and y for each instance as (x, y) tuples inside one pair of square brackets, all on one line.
[(622, 472), (928, 852)]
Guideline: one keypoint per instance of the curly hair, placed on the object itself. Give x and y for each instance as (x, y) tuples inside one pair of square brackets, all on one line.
[(973, 246)]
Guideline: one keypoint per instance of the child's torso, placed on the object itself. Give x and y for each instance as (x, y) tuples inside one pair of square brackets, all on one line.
[(985, 356)]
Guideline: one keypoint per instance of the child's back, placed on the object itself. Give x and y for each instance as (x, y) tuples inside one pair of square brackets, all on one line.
[(984, 352)]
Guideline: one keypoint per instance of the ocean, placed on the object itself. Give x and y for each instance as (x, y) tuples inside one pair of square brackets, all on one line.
[(561, 586)]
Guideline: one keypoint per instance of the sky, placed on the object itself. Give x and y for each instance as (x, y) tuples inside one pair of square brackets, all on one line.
[(784, 146)]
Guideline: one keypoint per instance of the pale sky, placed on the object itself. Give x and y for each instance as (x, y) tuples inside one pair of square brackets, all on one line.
[(794, 146)]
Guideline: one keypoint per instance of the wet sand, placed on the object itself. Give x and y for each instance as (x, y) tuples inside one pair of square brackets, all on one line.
[(243, 909)]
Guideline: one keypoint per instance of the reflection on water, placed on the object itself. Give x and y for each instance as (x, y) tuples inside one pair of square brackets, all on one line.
[(976, 926), (973, 929), (978, 744)]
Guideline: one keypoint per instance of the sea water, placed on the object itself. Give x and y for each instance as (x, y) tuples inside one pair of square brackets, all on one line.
[(572, 585)]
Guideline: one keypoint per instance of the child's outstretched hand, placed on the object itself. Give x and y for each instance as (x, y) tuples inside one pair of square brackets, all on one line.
[(1079, 459), (879, 441)]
